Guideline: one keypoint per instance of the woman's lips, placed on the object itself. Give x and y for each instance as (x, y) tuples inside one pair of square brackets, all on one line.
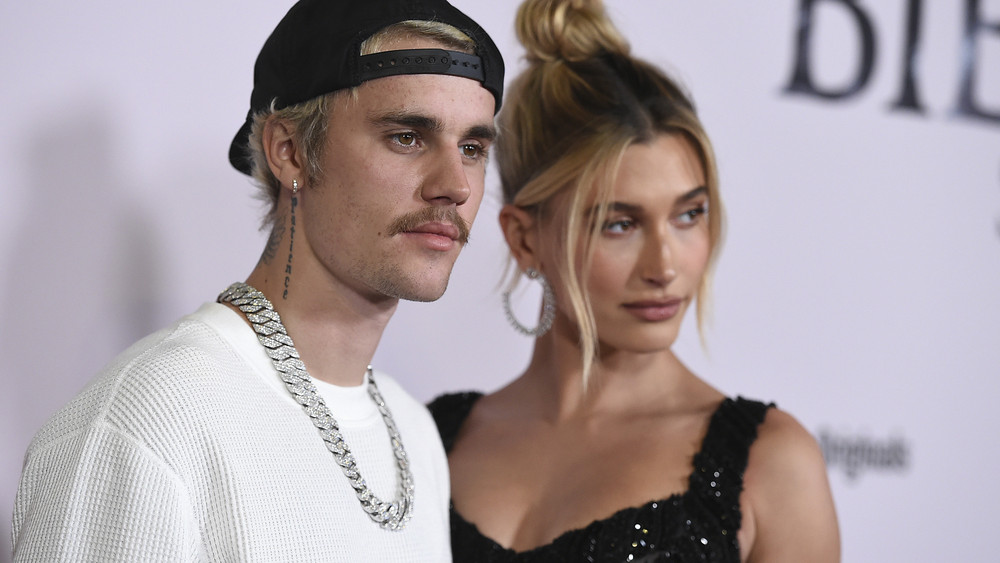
[(654, 311)]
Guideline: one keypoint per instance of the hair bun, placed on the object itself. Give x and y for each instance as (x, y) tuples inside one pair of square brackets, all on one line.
[(570, 30)]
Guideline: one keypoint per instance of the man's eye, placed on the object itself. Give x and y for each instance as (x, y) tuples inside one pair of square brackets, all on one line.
[(472, 151), (405, 139)]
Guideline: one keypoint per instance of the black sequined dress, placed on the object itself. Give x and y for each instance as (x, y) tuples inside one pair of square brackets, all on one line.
[(697, 525)]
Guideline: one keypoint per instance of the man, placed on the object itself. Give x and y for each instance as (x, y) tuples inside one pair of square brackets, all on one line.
[(252, 429)]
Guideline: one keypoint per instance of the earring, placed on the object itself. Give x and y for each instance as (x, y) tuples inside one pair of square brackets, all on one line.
[(548, 307), (295, 186)]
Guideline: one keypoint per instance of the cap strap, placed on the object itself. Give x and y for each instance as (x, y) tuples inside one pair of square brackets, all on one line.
[(420, 61)]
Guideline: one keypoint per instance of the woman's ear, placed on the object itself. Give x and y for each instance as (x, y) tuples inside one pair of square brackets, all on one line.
[(519, 229), (283, 155)]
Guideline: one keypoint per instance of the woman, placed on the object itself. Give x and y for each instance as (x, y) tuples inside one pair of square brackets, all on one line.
[(607, 448)]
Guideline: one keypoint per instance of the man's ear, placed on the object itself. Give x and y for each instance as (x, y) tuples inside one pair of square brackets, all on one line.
[(519, 230), (284, 157)]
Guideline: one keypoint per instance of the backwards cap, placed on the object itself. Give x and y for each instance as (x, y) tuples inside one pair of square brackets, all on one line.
[(315, 50)]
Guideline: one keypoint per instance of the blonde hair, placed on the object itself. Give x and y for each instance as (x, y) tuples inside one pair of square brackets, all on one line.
[(308, 120), (565, 126)]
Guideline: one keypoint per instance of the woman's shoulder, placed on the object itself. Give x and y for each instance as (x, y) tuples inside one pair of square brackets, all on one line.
[(787, 493), (784, 448)]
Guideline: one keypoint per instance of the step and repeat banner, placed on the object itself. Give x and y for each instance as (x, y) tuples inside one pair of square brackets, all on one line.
[(858, 286)]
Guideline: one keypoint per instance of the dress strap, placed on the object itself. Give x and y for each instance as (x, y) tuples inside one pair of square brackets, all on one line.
[(449, 412), (717, 478)]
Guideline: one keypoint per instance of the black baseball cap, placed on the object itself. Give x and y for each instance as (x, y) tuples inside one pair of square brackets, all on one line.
[(315, 50)]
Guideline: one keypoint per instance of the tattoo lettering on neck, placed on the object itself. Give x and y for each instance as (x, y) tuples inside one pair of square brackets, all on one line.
[(291, 247), (271, 248)]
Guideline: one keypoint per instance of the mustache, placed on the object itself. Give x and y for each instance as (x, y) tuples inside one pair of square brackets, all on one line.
[(411, 221)]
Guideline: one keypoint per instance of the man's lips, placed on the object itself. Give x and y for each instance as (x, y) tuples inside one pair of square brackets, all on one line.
[(435, 228), (435, 235), (432, 222), (655, 309)]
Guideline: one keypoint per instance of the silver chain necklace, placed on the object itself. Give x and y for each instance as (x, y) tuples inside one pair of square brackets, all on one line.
[(273, 336)]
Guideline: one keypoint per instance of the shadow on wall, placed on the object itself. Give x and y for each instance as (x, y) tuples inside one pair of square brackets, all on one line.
[(84, 261)]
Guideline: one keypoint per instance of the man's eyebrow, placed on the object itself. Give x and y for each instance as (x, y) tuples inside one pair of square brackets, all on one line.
[(486, 132), (412, 120)]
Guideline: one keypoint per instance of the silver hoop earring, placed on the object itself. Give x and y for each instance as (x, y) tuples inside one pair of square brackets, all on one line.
[(548, 307), (295, 187)]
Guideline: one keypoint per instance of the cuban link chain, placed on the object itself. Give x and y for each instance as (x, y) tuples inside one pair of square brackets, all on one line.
[(273, 336)]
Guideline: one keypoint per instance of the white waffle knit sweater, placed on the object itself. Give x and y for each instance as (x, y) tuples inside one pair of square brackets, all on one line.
[(189, 448)]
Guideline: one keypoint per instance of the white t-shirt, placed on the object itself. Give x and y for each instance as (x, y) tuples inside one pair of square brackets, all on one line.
[(188, 447)]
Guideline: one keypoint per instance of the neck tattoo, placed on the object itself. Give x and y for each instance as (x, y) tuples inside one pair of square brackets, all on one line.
[(291, 246), (272, 335)]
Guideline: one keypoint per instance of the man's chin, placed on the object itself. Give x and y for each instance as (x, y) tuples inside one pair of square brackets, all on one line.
[(424, 296), (423, 292)]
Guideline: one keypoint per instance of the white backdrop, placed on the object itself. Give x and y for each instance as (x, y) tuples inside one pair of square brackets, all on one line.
[(858, 286)]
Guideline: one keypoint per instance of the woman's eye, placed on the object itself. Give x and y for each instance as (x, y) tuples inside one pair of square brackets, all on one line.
[(691, 215), (618, 226)]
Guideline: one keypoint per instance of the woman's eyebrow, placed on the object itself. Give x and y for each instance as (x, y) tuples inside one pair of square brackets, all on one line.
[(699, 191)]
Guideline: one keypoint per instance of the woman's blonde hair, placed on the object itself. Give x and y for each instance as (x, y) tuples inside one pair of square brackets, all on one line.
[(565, 126), (308, 120)]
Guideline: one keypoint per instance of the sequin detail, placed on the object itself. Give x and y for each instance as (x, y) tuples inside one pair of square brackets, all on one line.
[(700, 524)]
